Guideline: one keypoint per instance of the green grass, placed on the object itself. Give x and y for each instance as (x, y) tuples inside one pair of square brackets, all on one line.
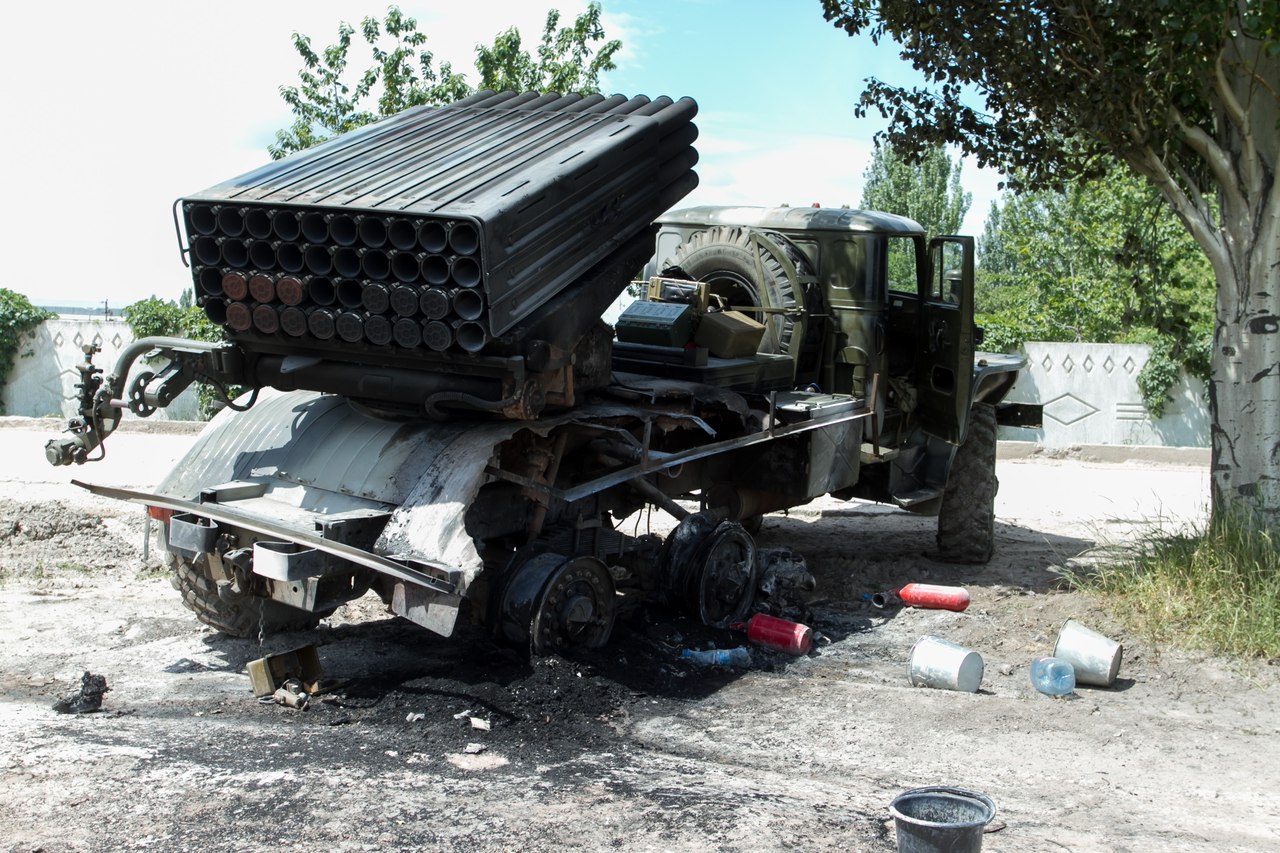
[(1216, 589)]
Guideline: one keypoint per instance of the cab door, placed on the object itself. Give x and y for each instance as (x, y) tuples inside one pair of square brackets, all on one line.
[(945, 334)]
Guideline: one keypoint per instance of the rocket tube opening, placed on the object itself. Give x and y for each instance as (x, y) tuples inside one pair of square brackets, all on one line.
[(289, 257), (471, 336), (210, 280), (349, 293), (404, 266), (375, 264), (343, 229), (373, 232), (206, 250), (318, 260), (464, 238), (432, 236), (286, 226), (216, 311), (403, 234), (466, 272), (235, 253), (322, 291), (257, 221), (315, 228), (346, 262), (230, 220), (202, 218), (262, 255), (468, 304), (435, 269)]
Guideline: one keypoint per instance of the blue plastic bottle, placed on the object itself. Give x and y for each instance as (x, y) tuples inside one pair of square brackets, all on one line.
[(740, 657), (1053, 676)]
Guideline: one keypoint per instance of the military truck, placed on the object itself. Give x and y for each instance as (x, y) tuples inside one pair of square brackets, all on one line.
[(433, 410)]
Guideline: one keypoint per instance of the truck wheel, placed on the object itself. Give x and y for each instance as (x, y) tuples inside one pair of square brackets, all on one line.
[(724, 258), (966, 519), (234, 615)]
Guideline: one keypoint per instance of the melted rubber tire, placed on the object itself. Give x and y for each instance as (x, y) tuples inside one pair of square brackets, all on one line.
[(243, 617), (723, 256), (966, 520)]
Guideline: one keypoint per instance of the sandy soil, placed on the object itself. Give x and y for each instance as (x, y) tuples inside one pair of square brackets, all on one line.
[(631, 748)]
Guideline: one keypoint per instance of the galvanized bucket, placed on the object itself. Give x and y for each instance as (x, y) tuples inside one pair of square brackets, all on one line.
[(940, 819), (940, 663), (1095, 658)]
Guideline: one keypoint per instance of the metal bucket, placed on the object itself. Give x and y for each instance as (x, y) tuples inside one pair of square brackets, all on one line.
[(1095, 658), (936, 662), (939, 819)]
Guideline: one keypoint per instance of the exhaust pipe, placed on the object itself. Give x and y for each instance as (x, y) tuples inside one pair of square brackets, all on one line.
[(372, 231), (402, 234), (257, 221), (435, 269), (466, 271), (405, 266)]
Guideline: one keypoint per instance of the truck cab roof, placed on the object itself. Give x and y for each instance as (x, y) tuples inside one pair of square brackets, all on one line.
[(794, 219)]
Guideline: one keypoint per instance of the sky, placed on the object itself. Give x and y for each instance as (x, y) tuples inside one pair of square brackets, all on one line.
[(117, 109)]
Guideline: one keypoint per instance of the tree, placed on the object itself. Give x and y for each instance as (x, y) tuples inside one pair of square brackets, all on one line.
[(927, 190), (329, 101), (1103, 261), (1183, 93)]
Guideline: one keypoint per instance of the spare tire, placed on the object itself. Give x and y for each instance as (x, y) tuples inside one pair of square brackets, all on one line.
[(725, 259)]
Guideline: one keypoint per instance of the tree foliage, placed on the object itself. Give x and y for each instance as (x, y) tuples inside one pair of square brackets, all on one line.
[(927, 190), (1185, 93), (153, 317), (1103, 261), (331, 98), (18, 317)]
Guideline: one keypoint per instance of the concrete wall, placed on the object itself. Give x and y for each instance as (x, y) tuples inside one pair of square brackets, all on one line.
[(1090, 396), (1089, 391), (42, 384)]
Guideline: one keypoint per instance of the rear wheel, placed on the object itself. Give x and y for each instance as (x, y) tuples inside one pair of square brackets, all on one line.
[(232, 613), (966, 519)]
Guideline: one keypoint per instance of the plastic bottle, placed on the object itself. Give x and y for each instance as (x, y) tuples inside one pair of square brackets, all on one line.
[(1053, 676), (739, 657)]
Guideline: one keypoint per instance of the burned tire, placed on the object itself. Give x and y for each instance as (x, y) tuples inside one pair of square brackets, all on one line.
[(724, 258), (234, 615), (966, 520)]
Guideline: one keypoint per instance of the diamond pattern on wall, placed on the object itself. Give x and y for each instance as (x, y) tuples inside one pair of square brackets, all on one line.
[(1109, 364), (1087, 364), (1068, 364), (1068, 409), (1047, 364), (1129, 365)]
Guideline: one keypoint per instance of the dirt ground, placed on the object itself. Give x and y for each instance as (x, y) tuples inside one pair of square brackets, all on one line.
[(631, 748)]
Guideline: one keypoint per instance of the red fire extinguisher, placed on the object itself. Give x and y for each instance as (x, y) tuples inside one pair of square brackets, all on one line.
[(781, 634), (925, 595)]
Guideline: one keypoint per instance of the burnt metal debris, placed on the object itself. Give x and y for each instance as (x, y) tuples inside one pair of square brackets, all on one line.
[(438, 229)]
